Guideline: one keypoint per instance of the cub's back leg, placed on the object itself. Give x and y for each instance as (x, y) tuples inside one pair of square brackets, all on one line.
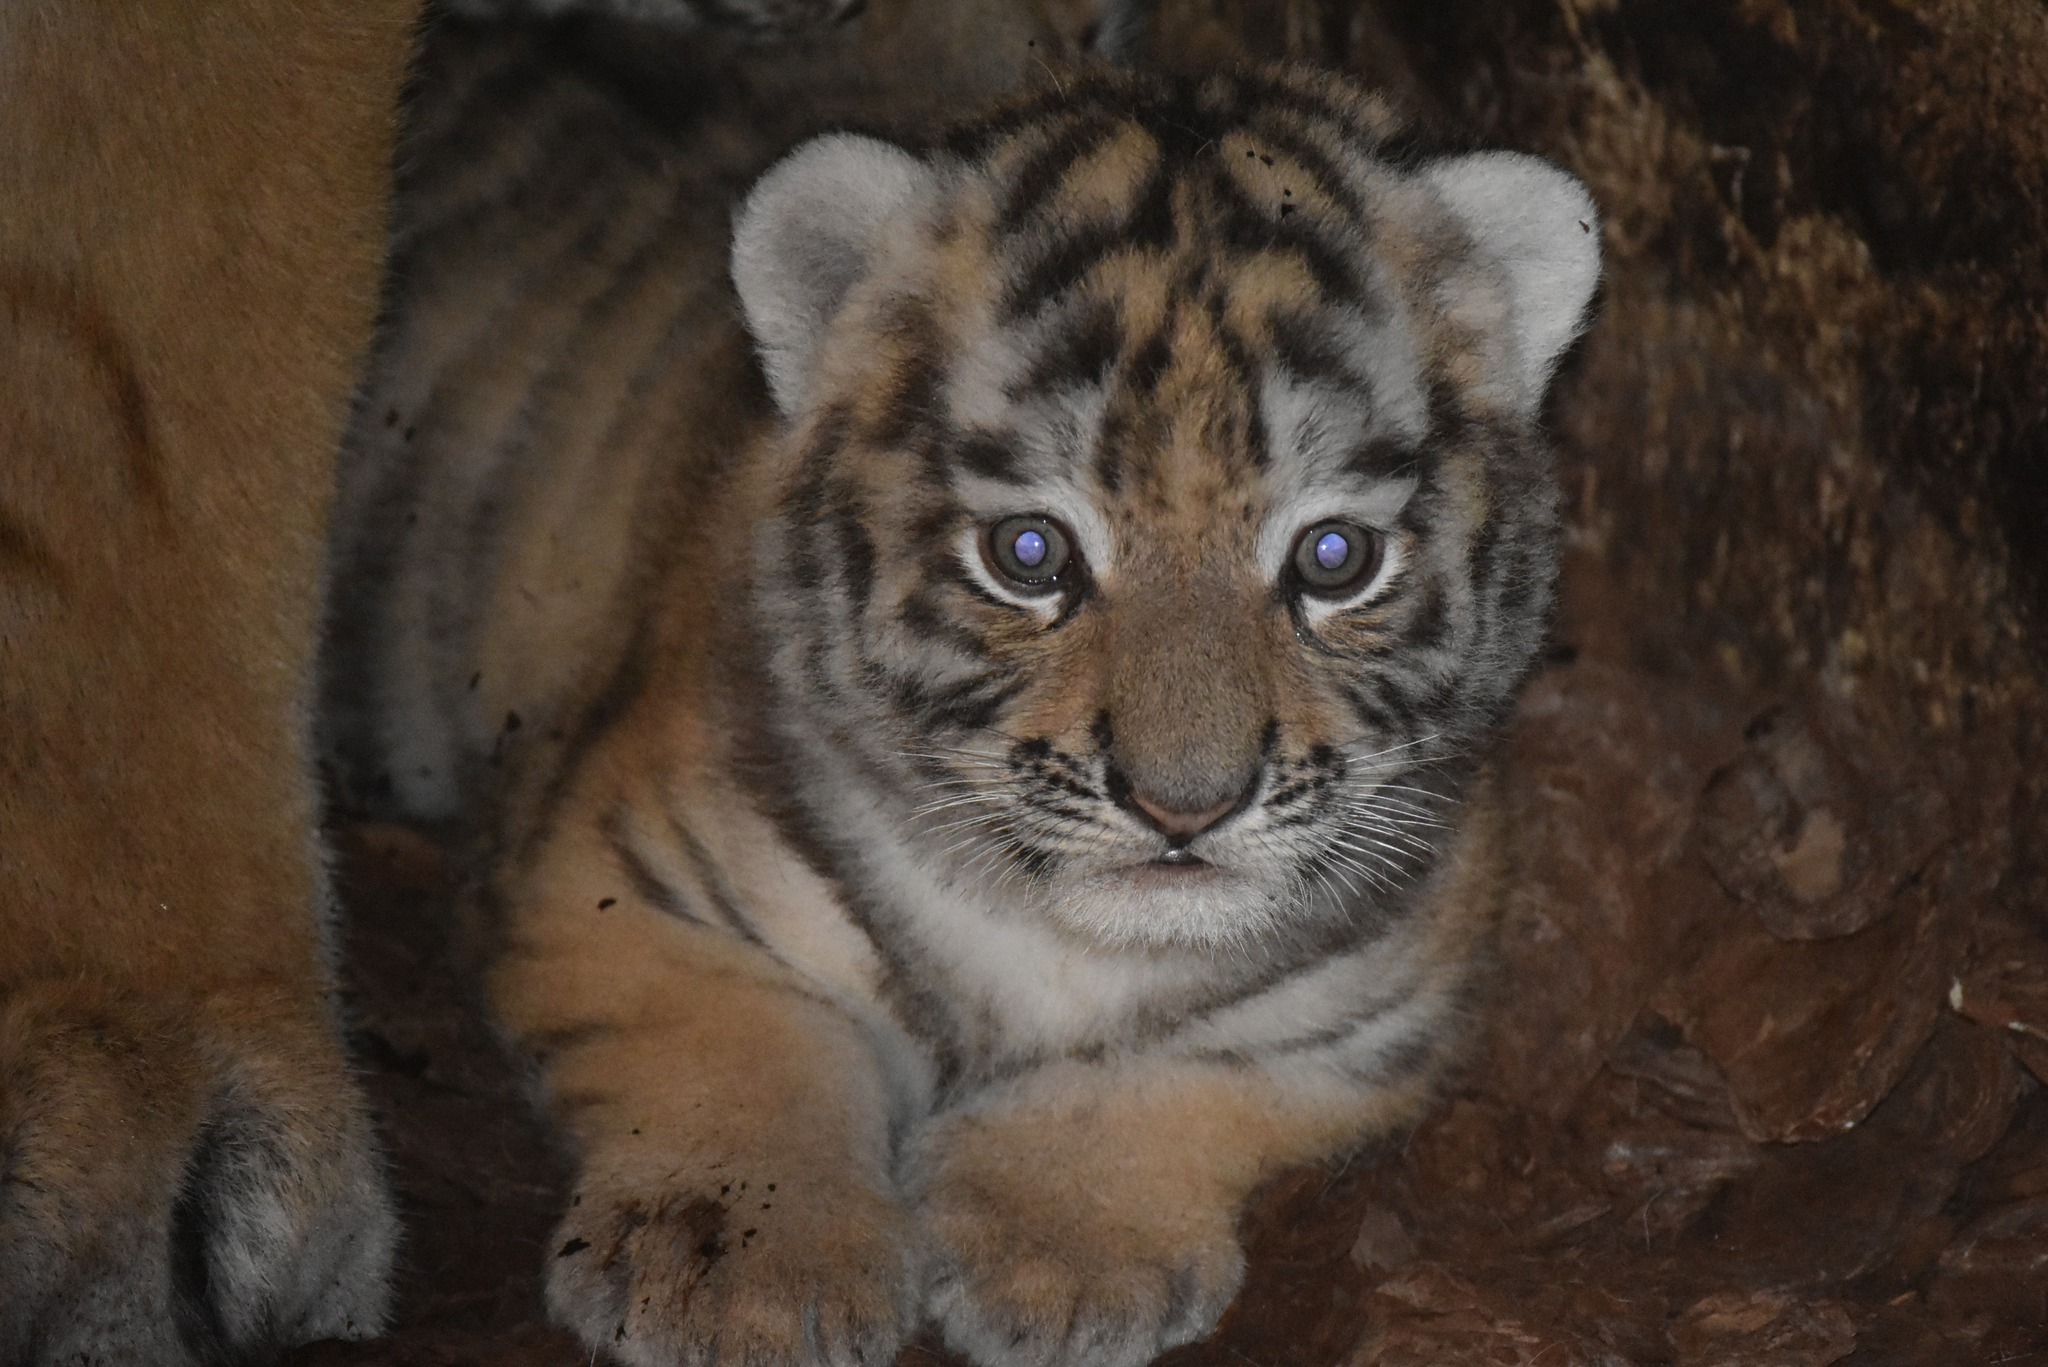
[(191, 210)]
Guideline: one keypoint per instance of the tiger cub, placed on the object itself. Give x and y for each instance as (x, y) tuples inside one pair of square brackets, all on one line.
[(981, 789)]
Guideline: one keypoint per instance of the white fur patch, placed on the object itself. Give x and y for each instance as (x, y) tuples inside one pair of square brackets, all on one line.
[(1539, 224), (806, 236)]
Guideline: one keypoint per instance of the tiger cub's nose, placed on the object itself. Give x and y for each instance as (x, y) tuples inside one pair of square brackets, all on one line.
[(1180, 825)]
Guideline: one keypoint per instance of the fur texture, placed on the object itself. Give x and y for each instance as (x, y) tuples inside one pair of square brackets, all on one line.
[(192, 221), (896, 933), (191, 213)]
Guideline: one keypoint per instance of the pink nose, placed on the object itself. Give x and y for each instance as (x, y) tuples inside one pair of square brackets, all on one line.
[(1183, 825)]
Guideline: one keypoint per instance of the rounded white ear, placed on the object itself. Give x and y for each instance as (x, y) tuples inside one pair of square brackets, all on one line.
[(1539, 223), (806, 235)]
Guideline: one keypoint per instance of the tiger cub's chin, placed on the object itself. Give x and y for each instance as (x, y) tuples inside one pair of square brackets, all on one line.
[(1018, 780), (1155, 905)]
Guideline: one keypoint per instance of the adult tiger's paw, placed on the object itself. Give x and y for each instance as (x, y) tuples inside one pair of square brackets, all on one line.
[(755, 1272), (182, 1187), (1054, 1264)]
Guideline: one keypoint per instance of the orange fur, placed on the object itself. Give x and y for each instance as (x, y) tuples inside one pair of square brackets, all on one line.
[(191, 208)]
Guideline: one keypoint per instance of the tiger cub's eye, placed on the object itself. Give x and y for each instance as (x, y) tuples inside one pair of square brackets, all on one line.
[(1334, 557), (1030, 552)]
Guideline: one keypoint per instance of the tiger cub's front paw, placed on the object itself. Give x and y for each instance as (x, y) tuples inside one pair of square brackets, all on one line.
[(747, 1273), (1037, 1265)]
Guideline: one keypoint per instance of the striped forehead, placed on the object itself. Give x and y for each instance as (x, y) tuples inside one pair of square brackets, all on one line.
[(1181, 315)]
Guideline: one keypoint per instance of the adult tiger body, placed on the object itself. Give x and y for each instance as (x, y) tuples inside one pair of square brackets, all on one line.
[(968, 809), (192, 205)]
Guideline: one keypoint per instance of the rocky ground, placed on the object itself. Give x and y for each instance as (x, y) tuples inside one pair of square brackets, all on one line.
[(1763, 1082)]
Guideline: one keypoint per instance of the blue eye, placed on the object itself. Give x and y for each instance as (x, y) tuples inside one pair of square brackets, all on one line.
[(1332, 558), (1332, 550), (1030, 552)]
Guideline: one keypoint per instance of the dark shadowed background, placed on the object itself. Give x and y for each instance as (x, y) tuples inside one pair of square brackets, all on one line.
[(1762, 1081)]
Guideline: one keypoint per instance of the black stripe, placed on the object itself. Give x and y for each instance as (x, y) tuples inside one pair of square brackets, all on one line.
[(1329, 1035), (1319, 108), (1382, 458), (988, 455), (1037, 864), (910, 413), (931, 529), (1150, 226), (1305, 346), (717, 891), (923, 618), (1405, 1060), (1119, 421), (447, 126), (1406, 694), (76, 314), (1372, 711), (974, 590), (1431, 620), (1241, 363), (806, 570), (1449, 423), (855, 550), (1442, 695), (1033, 183), (647, 884), (1321, 171), (1248, 227), (970, 704), (828, 437), (1083, 352), (920, 1010), (1055, 270), (805, 506), (980, 139), (1149, 359), (1287, 793), (1303, 953)]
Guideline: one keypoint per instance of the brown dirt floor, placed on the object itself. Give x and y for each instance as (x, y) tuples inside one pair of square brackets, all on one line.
[(1763, 1081)]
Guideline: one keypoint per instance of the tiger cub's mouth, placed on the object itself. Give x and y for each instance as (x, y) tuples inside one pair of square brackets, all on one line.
[(1176, 869)]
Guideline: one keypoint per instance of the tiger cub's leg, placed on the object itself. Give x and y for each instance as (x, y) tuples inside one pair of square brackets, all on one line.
[(1087, 1214), (733, 1200)]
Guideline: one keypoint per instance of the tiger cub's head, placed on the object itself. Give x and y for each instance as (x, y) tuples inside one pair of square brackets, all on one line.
[(1166, 518)]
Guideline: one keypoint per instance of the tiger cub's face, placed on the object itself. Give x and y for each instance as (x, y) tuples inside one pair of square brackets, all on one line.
[(1165, 516)]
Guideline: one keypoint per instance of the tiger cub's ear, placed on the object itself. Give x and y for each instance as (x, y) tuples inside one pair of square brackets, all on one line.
[(1540, 225), (806, 235)]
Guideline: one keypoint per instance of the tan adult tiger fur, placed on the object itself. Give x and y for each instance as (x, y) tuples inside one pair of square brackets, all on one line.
[(191, 213), (966, 809)]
